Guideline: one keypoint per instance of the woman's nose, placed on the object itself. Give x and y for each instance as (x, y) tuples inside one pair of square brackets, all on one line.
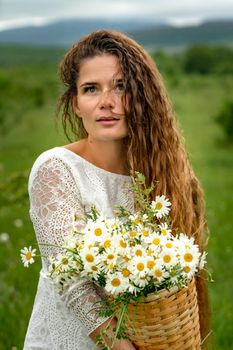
[(107, 99)]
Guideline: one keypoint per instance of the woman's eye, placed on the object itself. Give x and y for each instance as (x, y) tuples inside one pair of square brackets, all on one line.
[(120, 87), (90, 89)]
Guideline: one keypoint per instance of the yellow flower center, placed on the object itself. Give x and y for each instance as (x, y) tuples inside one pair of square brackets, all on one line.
[(145, 233), (77, 264), (98, 232), (150, 252), (164, 232), (94, 268), (89, 258), (166, 258), (156, 241), (133, 234), (187, 269), (158, 273), (110, 256), (137, 221), (125, 272), (107, 244), (111, 267), (150, 264), (140, 266), (158, 205), (64, 261), (138, 252), (126, 258), (188, 257), (115, 282), (169, 245), (28, 255), (123, 244)]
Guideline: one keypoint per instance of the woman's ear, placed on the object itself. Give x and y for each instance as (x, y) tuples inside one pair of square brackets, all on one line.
[(75, 106)]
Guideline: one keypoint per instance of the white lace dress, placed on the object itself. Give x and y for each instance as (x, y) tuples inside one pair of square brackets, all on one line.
[(60, 184)]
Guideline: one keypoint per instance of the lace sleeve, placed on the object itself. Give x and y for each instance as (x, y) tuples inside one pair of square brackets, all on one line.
[(54, 198)]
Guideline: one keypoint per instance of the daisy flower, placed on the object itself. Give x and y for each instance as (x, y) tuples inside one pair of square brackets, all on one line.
[(27, 255), (165, 230), (202, 261), (63, 262), (168, 257), (138, 251), (189, 272), (189, 256), (136, 219), (96, 230), (160, 273), (89, 255), (138, 265), (157, 240), (116, 283), (161, 206)]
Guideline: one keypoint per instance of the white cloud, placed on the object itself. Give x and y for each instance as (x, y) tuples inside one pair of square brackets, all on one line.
[(34, 12)]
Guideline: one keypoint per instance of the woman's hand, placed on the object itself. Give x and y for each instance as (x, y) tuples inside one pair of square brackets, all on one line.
[(117, 344)]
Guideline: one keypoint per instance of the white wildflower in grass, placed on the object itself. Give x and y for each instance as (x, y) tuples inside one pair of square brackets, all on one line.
[(18, 223), (161, 206), (27, 256), (4, 237), (165, 230)]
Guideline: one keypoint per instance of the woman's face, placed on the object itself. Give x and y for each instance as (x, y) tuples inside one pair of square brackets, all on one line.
[(99, 98)]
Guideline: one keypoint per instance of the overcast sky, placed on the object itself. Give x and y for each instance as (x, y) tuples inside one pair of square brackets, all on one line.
[(14, 13)]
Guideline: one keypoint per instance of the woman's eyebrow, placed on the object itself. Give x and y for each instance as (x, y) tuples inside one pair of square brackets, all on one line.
[(86, 83)]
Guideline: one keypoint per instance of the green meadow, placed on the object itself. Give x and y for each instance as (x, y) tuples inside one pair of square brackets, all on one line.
[(29, 88)]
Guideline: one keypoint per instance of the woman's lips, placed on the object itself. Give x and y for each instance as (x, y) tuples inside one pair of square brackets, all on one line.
[(108, 120)]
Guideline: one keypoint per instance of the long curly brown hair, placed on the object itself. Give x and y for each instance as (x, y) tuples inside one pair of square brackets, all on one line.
[(154, 143)]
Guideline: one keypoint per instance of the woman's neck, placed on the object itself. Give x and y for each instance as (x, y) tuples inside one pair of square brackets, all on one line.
[(110, 156)]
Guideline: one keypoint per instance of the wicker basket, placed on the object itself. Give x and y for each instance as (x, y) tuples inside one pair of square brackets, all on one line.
[(167, 320)]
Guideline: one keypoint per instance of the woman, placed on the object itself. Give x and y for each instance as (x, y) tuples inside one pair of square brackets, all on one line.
[(117, 108)]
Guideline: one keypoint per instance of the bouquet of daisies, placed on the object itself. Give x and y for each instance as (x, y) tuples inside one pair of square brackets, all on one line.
[(130, 255)]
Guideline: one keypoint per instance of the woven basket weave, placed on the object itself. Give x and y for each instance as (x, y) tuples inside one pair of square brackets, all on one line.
[(167, 320)]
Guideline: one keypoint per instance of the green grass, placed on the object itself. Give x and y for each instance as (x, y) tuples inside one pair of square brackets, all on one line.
[(32, 130)]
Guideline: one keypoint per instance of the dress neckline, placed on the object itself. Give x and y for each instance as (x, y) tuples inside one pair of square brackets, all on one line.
[(94, 166)]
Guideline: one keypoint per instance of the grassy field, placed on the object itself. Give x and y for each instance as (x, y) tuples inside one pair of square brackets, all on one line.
[(28, 102)]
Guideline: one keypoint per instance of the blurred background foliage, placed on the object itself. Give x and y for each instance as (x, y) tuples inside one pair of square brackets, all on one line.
[(199, 82)]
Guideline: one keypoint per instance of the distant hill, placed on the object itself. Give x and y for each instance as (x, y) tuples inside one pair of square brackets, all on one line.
[(214, 32), (149, 34), (66, 32)]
